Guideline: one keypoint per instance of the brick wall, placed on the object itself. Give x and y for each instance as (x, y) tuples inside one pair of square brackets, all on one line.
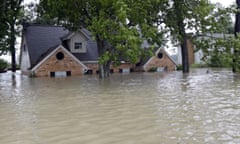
[(52, 64), (122, 66), (92, 66), (164, 62), (95, 67)]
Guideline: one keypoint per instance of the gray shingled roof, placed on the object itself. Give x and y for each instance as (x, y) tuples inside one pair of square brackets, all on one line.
[(90, 55), (42, 39)]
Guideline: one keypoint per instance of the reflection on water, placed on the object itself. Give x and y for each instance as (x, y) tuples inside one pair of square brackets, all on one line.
[(137, 108)]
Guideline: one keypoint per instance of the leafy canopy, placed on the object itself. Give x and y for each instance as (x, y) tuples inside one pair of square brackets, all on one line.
[(118, 26), (10, 15)]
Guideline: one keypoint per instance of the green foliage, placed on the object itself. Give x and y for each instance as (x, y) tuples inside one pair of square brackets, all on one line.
[(191, 14), (179, 67), (34, 13), (180, 16), (119, 27), (216, 49), (11, 14), (200, 17), (220, 20), (3, 65), (235, 44), (4, 26), (9, 17), (152, 69), (32, 74)]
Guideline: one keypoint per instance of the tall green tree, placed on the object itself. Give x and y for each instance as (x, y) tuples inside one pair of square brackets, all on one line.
[(10, 16), (180, 16), (217, 41), (118, 26), (36, 13), (236, 57), (4, 26)]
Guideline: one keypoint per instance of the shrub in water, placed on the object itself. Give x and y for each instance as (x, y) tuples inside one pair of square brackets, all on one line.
[(152, 69), (3, 65)]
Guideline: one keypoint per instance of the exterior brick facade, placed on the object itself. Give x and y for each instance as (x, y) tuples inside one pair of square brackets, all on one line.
[(69, 64), (94, 67), (121, 67), (165, 63), (53, 64)]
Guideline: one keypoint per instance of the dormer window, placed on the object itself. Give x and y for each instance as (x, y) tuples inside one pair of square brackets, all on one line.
[(77, 45)]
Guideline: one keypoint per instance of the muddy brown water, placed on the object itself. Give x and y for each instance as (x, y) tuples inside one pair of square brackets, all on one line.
[(136, 108)]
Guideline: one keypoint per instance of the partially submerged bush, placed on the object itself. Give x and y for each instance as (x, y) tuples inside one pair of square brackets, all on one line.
[(179, 67), (152, 69), (3, 65)]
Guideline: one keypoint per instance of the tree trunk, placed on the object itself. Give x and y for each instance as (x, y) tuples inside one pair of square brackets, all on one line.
[(182, 35), (104, 68), (185, 60), (184, 47), (12, 46), (236, 61)]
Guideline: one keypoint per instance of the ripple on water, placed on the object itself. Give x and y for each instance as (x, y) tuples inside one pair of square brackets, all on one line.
[(154, 108)]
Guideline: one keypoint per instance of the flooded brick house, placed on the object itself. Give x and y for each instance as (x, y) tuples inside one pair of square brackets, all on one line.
[(55, 51)]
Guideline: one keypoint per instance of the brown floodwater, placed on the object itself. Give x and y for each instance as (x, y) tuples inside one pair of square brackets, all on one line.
[(136, 108)]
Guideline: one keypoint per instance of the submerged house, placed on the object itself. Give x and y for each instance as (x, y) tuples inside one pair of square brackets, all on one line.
[(161, 61), (55, 51)]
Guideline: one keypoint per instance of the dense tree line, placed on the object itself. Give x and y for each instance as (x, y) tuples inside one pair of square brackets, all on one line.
[(120, 27)]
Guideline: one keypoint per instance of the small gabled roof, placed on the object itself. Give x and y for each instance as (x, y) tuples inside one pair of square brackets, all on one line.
[(84, 31)]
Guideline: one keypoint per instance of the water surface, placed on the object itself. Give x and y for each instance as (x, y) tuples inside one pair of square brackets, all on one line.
[(136, 108)]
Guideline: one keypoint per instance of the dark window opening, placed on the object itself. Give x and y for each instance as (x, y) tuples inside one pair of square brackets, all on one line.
[(69, 73), (60, 56), (131, 70), (52, 74), (89, 71), (160, 55), (120, 70), (77, 45)]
